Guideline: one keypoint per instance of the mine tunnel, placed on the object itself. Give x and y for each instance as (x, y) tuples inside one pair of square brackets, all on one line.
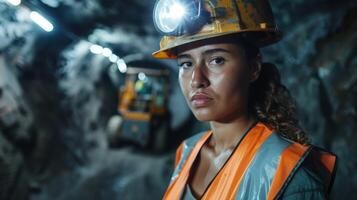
[(87, 112)]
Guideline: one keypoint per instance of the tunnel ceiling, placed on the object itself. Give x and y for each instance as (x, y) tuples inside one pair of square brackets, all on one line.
[(121, 25), (59, 96), (82, 16)]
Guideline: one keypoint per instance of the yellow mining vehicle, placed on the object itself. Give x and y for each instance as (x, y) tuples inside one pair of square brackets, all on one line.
[(143, 107)]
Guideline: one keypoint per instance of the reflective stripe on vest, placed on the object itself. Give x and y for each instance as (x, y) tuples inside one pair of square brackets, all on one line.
[(259, 168), (267, 157)]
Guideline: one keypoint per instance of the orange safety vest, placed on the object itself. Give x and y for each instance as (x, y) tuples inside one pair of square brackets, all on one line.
[(262, 165)]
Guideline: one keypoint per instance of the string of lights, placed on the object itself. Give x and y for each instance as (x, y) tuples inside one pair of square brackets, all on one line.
[(48, 26)]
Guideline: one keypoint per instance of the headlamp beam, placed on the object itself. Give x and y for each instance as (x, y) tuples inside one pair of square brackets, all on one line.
[(178, 17)]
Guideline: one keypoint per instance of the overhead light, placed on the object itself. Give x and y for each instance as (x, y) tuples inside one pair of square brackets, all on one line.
[(96, 49), (113, 58), (142, 76), (52, 3), (122, 66), (14, 2), (41, 21), (107, 52)]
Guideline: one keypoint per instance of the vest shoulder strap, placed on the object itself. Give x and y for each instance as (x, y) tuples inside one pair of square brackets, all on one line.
[(183, 151), (318, 161)]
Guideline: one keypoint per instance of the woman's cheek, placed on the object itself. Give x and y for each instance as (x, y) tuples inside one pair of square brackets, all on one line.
[(218, 81)]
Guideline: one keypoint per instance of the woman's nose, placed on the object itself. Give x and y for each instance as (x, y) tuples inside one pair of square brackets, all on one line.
[(199, 78)]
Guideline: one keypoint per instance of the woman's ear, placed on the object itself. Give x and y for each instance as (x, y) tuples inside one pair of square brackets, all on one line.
[(255, 69)]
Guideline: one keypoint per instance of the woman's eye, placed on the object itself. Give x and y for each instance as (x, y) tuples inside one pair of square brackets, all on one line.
[(217, 61), (185, 65)]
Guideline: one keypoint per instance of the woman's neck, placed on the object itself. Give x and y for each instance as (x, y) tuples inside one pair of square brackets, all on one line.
[(226, 135)]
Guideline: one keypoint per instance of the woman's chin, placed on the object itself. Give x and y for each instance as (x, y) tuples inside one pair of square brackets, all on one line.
[(203, 116), (203, 119)]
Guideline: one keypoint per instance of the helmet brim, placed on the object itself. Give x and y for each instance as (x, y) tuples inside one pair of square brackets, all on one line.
[(259, 38)]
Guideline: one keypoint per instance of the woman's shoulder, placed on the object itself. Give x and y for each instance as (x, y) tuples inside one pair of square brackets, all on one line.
[(314, 178), (191, 141), (305, 184), (187, 145), (184, 150), (313, 175)]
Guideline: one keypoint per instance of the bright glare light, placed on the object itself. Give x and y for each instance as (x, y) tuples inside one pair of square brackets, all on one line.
[(14, 2), (168, 15), (122, 66), (142, 76), (113, 58), (41, 21), (107, 52), (96, 49), (177, 11)]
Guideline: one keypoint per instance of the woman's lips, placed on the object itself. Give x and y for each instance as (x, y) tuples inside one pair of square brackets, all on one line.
[(200, 100)]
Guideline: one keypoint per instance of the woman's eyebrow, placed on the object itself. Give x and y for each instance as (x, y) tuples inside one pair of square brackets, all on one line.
[(205, 53), (181, 56), (216, 50)]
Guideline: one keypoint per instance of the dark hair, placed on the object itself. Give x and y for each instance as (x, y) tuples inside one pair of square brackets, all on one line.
[(270, 101)]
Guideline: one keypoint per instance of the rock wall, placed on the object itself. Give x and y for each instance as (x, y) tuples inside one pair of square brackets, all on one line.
[(317, 60), (56, 97)]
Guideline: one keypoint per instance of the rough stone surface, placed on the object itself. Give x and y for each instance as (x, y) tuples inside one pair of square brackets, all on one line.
[(56, 97)]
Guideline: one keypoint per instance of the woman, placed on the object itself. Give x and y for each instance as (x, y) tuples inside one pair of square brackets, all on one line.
[(255, 148)]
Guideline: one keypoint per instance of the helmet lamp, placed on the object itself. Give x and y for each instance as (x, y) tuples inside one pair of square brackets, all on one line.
[(177, 17)]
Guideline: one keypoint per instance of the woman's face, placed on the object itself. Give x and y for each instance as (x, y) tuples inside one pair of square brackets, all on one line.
[(214, 79)]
